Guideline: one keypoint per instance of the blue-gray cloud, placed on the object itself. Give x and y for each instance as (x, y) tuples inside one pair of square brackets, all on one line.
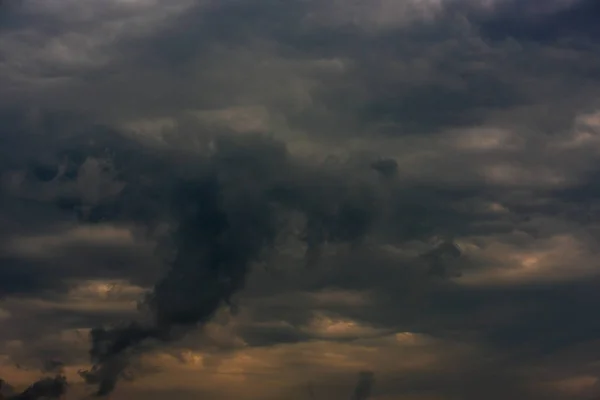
[(394, 126)]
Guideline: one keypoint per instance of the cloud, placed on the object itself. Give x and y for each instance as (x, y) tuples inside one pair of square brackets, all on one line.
[(52, 388), (544, 22), (364, 386), (341, 171)]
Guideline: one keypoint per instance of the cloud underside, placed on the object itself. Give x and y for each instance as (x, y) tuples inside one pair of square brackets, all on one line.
[(260, 199)]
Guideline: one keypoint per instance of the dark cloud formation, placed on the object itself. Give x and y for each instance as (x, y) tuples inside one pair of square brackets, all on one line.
[(46, 388), (224, 212), (364, 387), (330, 171), (572, 20)]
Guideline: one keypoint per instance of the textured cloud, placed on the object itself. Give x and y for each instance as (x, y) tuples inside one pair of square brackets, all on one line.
[(274, 196), (544, 21)]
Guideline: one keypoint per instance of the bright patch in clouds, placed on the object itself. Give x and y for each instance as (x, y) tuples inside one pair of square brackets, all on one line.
[(556, 259), (335, 327)]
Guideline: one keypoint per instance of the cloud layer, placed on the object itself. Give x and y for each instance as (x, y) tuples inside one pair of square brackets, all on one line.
[(260, 199)]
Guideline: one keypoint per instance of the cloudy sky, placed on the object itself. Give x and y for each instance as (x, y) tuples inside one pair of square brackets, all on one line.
[(301, 199)]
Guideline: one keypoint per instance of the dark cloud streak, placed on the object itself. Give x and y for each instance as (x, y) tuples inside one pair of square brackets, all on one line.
[(536, 21), (461, 122), (364, 387), (224, 217), (45, 388)]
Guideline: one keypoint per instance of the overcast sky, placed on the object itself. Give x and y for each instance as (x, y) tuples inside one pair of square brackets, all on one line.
[(301, 199)]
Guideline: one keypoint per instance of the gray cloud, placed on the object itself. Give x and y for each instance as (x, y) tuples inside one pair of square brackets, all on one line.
[(554, 21), (50, 388), (392, 126), (223, 217), (364, 386)]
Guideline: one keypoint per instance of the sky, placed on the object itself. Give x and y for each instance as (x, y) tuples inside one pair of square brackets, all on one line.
[(300, 199)]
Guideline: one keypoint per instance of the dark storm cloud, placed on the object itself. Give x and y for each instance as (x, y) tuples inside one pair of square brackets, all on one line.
[(329, 77), (224, 211), (46, 388), (148, 201), (575, 21), (35, 265), (450, 91), (524, 317), (54, 160), (251, 185), (414, 77)]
